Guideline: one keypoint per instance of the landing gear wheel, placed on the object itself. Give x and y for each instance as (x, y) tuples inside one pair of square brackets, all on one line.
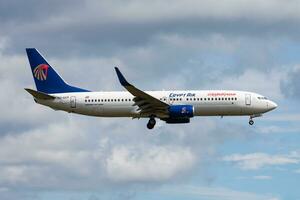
[(251, 122), (151, 123)]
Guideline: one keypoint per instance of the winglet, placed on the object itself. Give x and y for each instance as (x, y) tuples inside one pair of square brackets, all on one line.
[(121, 78)]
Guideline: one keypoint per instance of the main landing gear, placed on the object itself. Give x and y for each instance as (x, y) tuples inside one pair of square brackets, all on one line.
[(151, 123), (251, 122)]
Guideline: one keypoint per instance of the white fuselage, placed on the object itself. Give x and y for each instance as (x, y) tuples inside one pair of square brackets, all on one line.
[(121, 104)]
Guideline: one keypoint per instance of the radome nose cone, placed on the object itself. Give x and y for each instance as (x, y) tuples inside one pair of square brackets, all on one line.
[(273, 105)]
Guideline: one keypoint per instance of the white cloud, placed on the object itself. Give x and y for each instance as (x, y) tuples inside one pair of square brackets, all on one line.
[(256, 161), (71, 152), (148, 164)]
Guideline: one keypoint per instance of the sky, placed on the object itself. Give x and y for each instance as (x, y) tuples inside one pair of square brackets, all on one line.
[(208, 44)]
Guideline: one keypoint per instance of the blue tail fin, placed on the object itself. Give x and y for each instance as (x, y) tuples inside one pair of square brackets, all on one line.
[(45, 77)]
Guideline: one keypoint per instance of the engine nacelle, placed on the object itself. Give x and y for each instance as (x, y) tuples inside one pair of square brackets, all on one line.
[(181, 111), (177, 120)]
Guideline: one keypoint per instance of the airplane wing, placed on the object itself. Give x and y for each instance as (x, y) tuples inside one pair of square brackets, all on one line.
[(148, 105)]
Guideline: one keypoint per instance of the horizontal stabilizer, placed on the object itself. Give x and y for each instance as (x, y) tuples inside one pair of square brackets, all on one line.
[(39, 95)]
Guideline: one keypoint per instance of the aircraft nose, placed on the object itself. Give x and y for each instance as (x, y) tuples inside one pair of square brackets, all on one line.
[(272, 105)]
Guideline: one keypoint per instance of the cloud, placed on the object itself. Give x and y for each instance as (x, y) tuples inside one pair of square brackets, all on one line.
[(290, 86), (102, 28), (214, 193), (254, 80), (65, 149), (149, 164), (79, 152), (255, 161)]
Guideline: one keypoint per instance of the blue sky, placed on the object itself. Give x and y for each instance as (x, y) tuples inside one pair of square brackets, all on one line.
[(242, 45)]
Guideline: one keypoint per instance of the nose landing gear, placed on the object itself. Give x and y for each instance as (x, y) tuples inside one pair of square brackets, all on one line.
[(151, 123), (251, 122)]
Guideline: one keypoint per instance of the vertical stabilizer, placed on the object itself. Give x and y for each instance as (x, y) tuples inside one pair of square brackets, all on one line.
[(46, 79)]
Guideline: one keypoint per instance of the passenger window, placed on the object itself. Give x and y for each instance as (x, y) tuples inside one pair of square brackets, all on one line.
[(204, 99), (200, 99), (187, 99), (219, 99)]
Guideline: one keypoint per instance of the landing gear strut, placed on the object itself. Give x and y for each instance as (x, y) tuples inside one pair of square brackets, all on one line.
[(151, 123), (251, 122)]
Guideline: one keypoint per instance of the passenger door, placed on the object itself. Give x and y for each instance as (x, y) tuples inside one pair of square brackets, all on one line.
[(73, 102), (248, 99)]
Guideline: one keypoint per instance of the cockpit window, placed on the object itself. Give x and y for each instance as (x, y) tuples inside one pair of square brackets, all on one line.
[(262, 98)]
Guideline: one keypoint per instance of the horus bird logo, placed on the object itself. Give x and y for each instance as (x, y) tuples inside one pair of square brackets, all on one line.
[(41, 72)]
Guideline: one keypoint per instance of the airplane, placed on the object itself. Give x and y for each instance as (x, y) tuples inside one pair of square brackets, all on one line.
[(173, 107)]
